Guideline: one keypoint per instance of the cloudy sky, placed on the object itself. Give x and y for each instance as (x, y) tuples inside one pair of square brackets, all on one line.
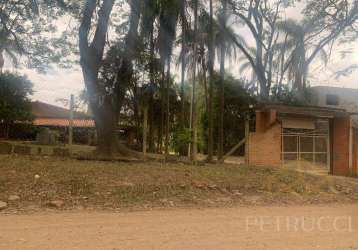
[(60, 83)]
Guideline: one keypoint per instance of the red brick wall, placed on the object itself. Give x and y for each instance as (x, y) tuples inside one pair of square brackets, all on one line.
[(340, 154), (265, 147), (355, 152), (264, 119)]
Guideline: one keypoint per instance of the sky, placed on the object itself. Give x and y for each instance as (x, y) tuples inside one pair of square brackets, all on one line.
[(60, 83)]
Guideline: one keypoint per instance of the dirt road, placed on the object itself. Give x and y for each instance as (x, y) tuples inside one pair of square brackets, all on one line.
[(309, 227)]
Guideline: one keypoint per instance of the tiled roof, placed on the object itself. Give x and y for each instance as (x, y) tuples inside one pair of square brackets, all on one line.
[(45, 110), (54, 122)]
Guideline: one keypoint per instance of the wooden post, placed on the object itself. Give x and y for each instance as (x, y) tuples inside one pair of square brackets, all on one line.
[(145, 126), (247, 135), (233, 150), (70, 128)]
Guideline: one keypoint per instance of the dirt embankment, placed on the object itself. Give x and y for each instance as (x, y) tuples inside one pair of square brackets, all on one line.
[(36, 183)]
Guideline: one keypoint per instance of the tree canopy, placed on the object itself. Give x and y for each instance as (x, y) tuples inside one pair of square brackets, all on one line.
[(25, 33), (127, 50), (15, 92)]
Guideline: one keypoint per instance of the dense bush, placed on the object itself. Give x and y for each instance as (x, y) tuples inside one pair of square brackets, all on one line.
[(15, 104)]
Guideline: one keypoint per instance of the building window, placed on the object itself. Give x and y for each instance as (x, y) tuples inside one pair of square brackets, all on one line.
[(332, 100)]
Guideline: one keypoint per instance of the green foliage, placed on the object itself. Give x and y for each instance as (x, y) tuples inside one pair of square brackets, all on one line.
[(237, 102), (14, 98), (24, 32), (181, 138)]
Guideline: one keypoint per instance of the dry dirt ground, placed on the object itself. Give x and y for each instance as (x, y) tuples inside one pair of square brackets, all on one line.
[(35, 183), (293, 227)]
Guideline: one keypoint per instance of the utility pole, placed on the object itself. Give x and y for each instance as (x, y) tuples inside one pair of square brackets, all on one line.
[(70, 128)]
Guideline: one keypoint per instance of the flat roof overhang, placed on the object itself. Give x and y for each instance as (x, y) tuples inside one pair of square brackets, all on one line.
[(305, 111)]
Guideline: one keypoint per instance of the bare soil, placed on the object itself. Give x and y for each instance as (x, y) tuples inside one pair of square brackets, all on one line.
[(217, 228), (42, 183)]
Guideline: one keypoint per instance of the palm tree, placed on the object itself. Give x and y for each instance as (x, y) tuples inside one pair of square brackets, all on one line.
[(226, 44), (298, 62), (150, 10), (193, 121), (183, 61), (223, 38), (296, 70), (211, 80), (167, 32), (202, 44), (196, 42)]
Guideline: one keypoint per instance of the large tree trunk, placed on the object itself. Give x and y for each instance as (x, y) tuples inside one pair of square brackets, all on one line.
[(106, 125), (91, 54), (106, 111), (102, 110)]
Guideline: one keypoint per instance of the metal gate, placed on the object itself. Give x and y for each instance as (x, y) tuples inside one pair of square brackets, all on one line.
[(305, 145)]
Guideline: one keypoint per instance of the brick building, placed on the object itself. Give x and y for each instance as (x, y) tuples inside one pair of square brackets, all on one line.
[(323, 136)]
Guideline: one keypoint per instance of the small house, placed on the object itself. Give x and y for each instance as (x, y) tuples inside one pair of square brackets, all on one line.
[(57, 118), (322, 136)]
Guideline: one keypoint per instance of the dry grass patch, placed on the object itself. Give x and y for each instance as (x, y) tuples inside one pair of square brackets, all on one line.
[(114, 184)]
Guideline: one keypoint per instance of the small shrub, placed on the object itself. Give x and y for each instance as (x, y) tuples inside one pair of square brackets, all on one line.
[(299, 187), (180, 140)]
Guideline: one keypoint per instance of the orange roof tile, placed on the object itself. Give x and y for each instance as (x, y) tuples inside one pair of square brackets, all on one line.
[(54, 122)]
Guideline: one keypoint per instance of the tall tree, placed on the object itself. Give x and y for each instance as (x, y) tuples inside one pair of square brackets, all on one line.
[(209, 34), (91, 56), (183, 62), (105, 99), (322, 25), (193, 119), (149, 10), (222, 24), (211, 87), (261, 18), (326, 21), (169, 13)]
